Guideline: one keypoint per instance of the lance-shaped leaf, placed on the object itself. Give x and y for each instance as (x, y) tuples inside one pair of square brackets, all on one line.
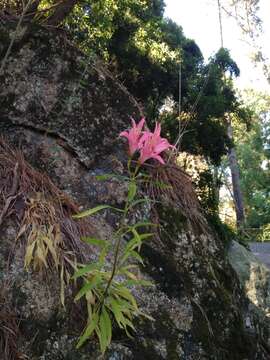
[(132, 189), (89, 285), (94, 241), (86, 269), (94, 211), (89, 330), (105, 327)]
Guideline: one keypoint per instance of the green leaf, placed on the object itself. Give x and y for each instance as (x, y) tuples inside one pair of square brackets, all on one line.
[(123, 311), (116, 310), (101, 339), (137, 282), (86, 269), (132, 253), (94, 241), (134, 243), (129, 274), (105, 329), (136, 256), (89, 330), (132, 189), (62, 286), (104, 177), (146, 316), (90, 211), (143, 223), (129, 266), (89, 285), (103, 254), (127, 322), (136, 234), (126, 307), (146, 236), (137, 202), (95, 210), (126, 294)]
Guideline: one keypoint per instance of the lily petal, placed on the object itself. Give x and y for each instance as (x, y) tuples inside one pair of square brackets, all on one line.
[(159, 158), (124, 133)]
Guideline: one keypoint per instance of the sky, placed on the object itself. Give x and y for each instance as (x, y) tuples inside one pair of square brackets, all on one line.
[(199, 20)]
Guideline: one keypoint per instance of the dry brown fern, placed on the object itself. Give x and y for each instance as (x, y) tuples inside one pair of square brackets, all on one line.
[(9, 330), (173, 187), (44, 214)]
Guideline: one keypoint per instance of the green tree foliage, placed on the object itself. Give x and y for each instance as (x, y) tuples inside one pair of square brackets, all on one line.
[(208, 97), (251, 141), (146, 51), (254, 159), (140, 45)]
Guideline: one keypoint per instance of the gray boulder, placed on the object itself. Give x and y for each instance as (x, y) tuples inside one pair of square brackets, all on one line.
[(254, 277)]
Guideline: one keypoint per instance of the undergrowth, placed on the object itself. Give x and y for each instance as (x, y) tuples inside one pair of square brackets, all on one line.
[(46, 229), (170, 184)]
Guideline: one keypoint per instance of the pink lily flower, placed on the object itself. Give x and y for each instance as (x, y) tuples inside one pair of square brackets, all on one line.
[(133, 135), (152, 144)]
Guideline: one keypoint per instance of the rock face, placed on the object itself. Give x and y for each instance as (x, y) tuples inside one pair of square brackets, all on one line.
[(57, 91), (64, 112), (254, 277)]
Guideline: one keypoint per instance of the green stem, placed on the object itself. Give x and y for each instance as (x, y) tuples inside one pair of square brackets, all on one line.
[(115, 261), (117, 249), (136, 171), (132, 177), (128, 165)]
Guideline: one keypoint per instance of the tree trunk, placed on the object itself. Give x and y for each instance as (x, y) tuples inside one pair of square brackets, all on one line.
[(61, 12), (237, 193)]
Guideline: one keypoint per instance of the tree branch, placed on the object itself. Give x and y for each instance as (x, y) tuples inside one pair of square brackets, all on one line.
[(32, 10), (62, 10)]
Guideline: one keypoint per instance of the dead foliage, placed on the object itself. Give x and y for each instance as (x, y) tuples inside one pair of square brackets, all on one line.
[(172, 186), (9, 330), (44, 215)]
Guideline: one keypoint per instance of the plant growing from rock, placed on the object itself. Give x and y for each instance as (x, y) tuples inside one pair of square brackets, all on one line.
[(105, 286)]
